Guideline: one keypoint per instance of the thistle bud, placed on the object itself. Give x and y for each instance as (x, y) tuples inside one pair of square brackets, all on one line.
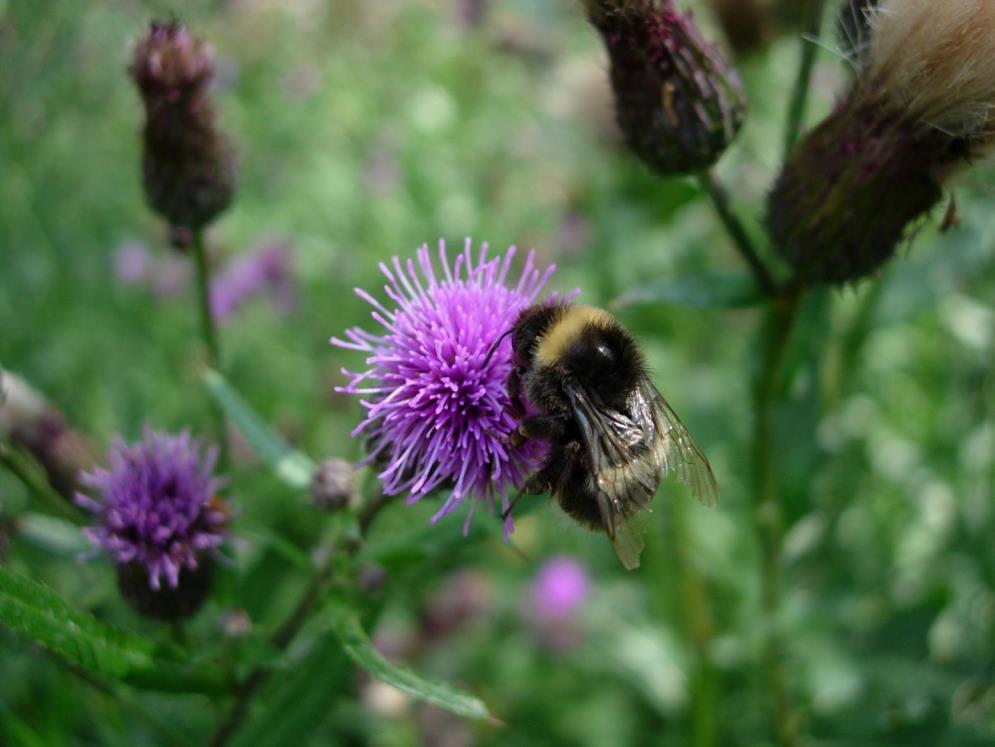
[(678, 102), (333, 486), (32, 424), (187, 163), (923, 104)]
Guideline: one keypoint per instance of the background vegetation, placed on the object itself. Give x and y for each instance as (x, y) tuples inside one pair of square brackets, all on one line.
[(365, 129)]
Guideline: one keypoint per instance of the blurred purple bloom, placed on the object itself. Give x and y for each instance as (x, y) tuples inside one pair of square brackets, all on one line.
[(158, 508), (266, 270), (132, 263), (560, 589), (437, 412)]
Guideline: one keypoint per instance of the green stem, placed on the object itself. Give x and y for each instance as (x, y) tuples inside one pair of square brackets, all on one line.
[(705, 686), (734, 227), (800, 92), (293, 623), (209, 335), (779, 324), (31, 475)]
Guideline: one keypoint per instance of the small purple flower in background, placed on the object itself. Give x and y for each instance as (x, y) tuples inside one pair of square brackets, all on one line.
[(560, 588), (559, 592), (158, 517), (437, 411), (132, 263), (268, 269)]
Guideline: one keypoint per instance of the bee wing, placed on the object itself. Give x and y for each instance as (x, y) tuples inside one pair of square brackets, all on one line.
[(624, 481), (624, 531), (681, 454)]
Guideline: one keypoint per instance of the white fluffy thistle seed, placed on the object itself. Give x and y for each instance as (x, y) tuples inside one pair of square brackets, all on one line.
[(935, 61)]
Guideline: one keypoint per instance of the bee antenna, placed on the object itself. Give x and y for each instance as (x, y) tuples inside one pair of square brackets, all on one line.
[(494, 347)]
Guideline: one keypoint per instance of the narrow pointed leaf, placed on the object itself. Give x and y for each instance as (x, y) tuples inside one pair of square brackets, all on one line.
[(357, 645), (290, 465)]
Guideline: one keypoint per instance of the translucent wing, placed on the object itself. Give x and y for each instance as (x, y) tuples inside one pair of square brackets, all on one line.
[(624, 476), (682, 454), (629, 453)]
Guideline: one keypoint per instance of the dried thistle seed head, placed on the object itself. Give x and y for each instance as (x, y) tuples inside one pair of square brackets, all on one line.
[(333, 486), (933, 61), (853, 28), (678, 101), (188, 164), (922, 105)]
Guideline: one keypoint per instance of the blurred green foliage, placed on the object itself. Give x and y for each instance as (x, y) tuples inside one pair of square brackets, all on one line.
[(367, 128)]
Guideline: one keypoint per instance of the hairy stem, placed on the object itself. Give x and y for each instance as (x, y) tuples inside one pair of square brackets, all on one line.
[(803, 80), (734, 227), (209, 335), (778, 325)]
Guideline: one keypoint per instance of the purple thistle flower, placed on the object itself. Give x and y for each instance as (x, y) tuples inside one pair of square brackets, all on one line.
[(266, 270), (437, 410), (158, 509), (560, 588)]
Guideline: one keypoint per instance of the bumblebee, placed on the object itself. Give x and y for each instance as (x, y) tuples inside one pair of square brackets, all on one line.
[(580, 383)]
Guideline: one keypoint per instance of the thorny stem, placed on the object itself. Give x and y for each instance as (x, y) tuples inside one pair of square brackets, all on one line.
[(209, 334), (289, 628), (778, 326), (740, 238), (799, 95)]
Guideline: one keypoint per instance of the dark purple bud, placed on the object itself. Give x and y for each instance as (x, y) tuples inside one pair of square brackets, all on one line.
[(187, 164), (678, 102), (922, 105)]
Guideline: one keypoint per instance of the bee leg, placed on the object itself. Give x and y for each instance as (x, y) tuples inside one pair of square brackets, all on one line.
[(541, 427), (515, 393)]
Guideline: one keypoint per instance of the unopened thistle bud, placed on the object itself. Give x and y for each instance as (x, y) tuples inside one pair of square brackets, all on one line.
[(333, 486), (36, 426), (923, 103), (678, 102), (187, 162)]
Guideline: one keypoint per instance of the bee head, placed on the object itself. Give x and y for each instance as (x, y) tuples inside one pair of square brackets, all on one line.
[(588, 346)]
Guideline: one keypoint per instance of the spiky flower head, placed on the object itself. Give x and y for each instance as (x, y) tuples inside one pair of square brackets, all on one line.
[(158, 517), (678, 101), (437, 407), (923, 104), (188, 165)]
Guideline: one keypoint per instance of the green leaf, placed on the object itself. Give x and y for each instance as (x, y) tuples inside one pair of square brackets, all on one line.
[(292, 466), (732, 290), (36, 612), (345, 623)]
